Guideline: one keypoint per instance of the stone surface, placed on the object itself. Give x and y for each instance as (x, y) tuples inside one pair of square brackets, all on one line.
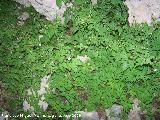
[(140, 11), (24, 2), (143, 11), (24, 16), (4, 115), (135, 112), (47, 8), (94, 2), (84, 58), (88, 115), (114, 113)]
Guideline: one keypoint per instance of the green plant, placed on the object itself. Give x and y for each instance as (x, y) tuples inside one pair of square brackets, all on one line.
[(123, 65)]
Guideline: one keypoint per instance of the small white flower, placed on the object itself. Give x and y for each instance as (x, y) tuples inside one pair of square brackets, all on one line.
[(69, 58), (39, 44)]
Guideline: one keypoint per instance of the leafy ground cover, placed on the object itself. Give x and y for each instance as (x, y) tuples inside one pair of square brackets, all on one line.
[(124, 61)]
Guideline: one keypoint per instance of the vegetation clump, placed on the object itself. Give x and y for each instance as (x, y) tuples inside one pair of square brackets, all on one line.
[(95, 59)]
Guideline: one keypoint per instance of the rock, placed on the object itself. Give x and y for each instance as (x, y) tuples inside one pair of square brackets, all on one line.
[(89, 115), (20, 23), (24, 16), (84, 58), (24, 2), (114, 113), (4, 115), (135, 112), (116, 109), (143, 11), (47, 8), (94, 2)]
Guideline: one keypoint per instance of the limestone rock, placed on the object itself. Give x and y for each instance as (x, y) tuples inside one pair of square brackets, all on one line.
[(114, 113), (88, 115), (135, 111), (143, 11), (47, 8), (22, 19), (24, 2), (24, 16), (84, 58), (4, 115)]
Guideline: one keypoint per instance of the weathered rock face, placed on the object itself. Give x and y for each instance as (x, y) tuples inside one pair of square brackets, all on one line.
[(143, 11), (24, 2), (114, 113), (134, 113), (47, 8), (140, 11)]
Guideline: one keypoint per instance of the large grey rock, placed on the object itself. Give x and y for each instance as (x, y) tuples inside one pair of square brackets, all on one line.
[(140, 11), (143, 11), (47, 8)]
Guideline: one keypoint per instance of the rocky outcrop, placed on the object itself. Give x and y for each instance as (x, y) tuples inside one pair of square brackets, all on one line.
[(143, 11), (135, 111), (140, 11), (47, 8), (24, 2)]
